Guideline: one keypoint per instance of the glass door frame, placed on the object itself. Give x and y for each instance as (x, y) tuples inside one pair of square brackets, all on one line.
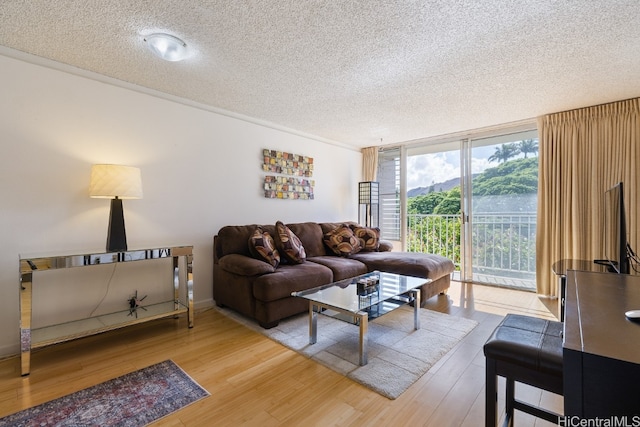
[(466, 240)]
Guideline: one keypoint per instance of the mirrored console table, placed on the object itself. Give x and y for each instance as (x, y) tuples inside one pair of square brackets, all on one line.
[(34, 265)]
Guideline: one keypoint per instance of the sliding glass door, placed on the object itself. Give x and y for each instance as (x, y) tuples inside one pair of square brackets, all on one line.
[(503, 203), (472, 200)]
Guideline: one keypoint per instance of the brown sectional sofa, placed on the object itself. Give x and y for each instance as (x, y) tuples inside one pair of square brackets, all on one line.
[(260, 291)]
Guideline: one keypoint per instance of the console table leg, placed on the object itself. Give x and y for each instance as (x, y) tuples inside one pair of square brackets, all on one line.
[(26, 280), (189, 280)]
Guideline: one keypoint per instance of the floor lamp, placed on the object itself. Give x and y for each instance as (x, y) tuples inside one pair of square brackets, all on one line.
[(368, 204), (115, 182)]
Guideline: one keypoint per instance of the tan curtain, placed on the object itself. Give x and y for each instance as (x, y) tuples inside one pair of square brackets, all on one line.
[(369, 163), (583, 153)]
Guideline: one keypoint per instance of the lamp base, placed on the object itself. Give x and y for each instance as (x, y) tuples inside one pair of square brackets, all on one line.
[(116, 236)]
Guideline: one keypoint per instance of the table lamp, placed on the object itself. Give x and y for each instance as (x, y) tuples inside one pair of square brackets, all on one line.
[(115, 182)]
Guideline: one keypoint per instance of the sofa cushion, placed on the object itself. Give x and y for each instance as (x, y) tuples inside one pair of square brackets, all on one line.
[(263, 247), (385, 246), (369, 237), (342, 267), (342, 241), (245, 266), (289, 244), (290, 278), (310, 234), (232, 239)]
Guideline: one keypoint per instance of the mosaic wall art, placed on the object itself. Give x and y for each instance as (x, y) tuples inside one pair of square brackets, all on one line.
[(287, 163), (286, 187), (282, 187)]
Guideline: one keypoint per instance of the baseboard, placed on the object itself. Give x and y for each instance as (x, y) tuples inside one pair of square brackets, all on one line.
[(202, 304), (9, 351)]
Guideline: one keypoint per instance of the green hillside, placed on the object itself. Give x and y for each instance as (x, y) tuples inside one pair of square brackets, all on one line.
[(511, 178)]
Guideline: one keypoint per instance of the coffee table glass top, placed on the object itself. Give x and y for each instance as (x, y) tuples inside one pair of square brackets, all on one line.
[(351, 296)]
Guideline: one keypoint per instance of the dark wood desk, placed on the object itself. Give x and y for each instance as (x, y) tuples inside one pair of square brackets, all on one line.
[(601, 348), (560, 269)]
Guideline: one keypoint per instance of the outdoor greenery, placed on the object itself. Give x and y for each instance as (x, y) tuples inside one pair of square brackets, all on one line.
[(435, 217), (519, 176), (508, 151)]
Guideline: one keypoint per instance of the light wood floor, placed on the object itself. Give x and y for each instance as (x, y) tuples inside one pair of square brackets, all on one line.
[(255, 381)]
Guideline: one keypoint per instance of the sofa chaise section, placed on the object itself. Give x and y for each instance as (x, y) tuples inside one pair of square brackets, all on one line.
[(434, 267)]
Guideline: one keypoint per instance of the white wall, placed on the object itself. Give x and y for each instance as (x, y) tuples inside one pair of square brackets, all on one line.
[(200, 170)]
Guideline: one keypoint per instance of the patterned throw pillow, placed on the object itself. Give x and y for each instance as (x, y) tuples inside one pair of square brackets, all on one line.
[(263, 247), (369, 238), (342, 241), (289, 244)]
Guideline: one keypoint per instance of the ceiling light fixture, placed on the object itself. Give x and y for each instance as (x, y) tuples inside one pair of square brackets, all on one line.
[(166, 46)]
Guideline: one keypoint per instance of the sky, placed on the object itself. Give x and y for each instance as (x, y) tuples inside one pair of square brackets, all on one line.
[(427, 169)]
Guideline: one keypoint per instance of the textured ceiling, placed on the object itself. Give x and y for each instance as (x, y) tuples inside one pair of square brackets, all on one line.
[(353, 71)]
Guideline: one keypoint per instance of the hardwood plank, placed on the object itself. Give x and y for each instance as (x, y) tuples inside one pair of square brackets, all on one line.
[(256, 381)]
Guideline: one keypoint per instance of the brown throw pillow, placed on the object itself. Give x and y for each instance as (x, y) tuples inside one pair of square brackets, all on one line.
[(289, 244), (263, 247), (368, 237), (342, 241)]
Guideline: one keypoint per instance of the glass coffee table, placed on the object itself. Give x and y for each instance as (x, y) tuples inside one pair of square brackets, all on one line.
[(360, 299)]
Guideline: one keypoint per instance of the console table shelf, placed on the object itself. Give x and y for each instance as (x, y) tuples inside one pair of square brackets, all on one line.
[(42, 337), (66, 331)]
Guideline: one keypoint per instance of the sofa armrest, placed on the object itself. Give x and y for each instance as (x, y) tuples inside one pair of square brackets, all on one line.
[(385, 246), (244, 266)]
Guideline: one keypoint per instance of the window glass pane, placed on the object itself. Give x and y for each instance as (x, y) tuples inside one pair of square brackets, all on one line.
[(389, 179), (433, 200)]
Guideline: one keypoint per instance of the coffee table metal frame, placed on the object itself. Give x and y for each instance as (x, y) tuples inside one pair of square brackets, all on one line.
[(343, 301)]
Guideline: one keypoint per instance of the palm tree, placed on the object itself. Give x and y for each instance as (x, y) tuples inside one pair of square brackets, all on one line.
[(528, 146), (504, 153)]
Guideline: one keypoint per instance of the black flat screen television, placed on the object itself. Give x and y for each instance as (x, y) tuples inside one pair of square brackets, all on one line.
[(616, 257)]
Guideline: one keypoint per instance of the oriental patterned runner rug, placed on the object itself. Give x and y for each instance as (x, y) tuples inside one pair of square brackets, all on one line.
[(398, 354), (135, 399)]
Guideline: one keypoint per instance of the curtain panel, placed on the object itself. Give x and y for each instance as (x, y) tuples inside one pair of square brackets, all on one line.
[(583, 153), (369, 163)]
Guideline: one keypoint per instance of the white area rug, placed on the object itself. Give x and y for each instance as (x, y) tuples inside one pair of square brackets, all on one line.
[(398, 355)]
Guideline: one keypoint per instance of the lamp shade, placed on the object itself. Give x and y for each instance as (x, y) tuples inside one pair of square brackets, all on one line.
[(368, 203), (115, 181), (368, 192)]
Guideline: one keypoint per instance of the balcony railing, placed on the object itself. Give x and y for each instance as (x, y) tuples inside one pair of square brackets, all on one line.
[(503, 243), (435, 234)]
